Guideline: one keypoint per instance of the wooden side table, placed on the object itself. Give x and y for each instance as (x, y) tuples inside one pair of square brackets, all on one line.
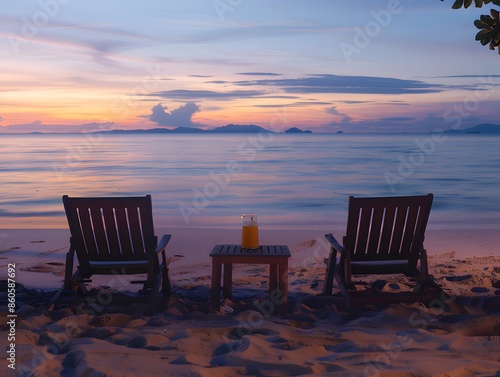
[(274, 255)]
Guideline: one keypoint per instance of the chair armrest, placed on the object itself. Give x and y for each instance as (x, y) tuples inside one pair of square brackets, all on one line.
[(163, 243), (331, 263), (335, 247), (334, 243)]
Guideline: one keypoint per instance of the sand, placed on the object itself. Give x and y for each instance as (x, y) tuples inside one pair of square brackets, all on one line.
[(456, 335)]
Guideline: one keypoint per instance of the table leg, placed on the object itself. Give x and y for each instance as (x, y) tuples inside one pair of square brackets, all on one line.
[(283, 286), (228, 280), (215, 290), (273, 279)]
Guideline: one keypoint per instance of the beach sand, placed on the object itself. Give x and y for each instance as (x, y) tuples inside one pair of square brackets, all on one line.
[(456, 335)]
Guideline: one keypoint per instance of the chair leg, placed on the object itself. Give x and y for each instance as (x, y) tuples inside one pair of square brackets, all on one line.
[(68, 271), (75, 282), (78, 283), (423, 265), (423, 278), (154, 293), (330, 271), (166, 285), (345, 293)]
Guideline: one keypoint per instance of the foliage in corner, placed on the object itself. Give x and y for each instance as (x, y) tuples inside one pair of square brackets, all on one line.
[(490, 30), (489, 25)]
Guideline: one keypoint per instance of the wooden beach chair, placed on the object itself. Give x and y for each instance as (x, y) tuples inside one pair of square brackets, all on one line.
[(115, 236), (385, 235)]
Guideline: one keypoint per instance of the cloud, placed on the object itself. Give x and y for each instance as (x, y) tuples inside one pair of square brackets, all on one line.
[(354, 102), (468, 76), (185, 94), (398, 119), (321, 83), (333, 111), (180, 117), (1, 118), (327, 83), (259, 73), (294, 104), (38, 126)]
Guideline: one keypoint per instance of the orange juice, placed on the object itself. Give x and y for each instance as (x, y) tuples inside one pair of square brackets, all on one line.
[(250, 237), (250, 232)]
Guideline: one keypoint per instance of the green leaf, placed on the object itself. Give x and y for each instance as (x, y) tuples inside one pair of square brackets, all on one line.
[(479, 3), (484, 40), (494, 14), (467, 3), (480, 24), (457, 4), (485, 35), (487, 20)]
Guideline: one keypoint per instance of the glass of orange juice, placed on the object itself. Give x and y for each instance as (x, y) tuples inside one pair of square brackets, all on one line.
[(250, 232)]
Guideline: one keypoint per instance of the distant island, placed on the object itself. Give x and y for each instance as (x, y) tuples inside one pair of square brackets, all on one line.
[(228, 129), (485, 128), (295, 130)]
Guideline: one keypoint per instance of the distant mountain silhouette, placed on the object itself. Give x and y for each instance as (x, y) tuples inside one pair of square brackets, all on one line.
[(485, 128), (185, 130), (295, 130), (237, 128), (230, 129)]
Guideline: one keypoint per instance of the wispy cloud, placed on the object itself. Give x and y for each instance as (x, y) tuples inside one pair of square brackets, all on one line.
[(259, 74), (327, 83), (467, 76), (38, 126), (398, 119), (193, 95), (294, 104), (317, 84), (333, 111)]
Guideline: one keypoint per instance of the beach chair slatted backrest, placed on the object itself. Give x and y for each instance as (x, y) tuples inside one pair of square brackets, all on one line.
[(387, 228), (115, 236), (384, 235), (111, 229)]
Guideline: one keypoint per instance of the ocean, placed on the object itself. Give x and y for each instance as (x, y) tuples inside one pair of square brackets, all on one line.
[(292, 181)]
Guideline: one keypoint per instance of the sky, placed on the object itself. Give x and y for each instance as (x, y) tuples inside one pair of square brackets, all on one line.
[(322, 65)]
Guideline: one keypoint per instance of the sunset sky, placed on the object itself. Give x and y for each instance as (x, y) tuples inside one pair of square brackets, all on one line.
[(322, 65)]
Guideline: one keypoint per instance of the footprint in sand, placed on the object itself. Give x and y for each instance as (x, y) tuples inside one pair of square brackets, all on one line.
[(9, 250), (37, 241), (176, 257), (48, 252)]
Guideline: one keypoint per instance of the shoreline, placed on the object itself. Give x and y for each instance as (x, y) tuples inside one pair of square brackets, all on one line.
[(38, 251)]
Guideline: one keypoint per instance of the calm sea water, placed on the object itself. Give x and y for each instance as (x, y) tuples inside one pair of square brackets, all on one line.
[(290, 181)]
